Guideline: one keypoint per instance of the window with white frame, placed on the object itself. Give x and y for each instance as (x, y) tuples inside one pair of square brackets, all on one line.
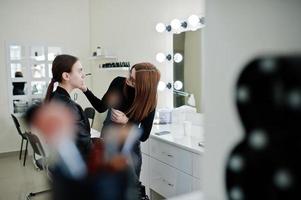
[(29, 73)]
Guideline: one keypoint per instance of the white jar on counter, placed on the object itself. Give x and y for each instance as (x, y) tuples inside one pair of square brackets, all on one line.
[(98, 51)]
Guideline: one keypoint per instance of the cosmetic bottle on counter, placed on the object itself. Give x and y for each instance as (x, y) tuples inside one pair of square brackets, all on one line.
[(98, 51)]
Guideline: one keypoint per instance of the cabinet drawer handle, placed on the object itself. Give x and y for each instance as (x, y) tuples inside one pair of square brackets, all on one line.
[(169, 155), (169, 184)]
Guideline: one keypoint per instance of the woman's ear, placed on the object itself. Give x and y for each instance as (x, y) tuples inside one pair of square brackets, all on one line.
[(66, 76)]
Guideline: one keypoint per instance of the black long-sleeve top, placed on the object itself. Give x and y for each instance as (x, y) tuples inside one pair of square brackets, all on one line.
[(83, 141), (117, 86)]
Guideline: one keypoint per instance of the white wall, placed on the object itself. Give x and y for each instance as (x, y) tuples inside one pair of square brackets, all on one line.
[(60, 23), (237, 31), (126, 28), (122, 28)]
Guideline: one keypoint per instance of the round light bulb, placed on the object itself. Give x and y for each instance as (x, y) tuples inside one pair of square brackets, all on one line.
[(161, 86), (193, 20), (177, 57), (160, 57), (160, 27), (175, 24), (178, 85)]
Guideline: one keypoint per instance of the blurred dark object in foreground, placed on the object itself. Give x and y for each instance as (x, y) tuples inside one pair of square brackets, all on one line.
[(102, 176), (104, 185), (265, 164)]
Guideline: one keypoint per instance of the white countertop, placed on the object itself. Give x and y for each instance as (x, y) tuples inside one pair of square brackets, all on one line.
[(177, 137), (196, 195)]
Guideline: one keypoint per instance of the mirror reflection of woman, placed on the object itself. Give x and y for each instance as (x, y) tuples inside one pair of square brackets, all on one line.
[(130, 100)]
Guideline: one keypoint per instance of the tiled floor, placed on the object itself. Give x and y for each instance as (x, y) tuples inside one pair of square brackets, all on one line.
[(17, 181)]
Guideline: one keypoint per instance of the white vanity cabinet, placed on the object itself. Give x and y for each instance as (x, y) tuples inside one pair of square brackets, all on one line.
[(171, 166), (144, 175)]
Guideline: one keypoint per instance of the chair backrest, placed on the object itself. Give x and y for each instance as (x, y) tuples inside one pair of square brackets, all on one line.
[(17, 124), (35, 144), (90, 114)]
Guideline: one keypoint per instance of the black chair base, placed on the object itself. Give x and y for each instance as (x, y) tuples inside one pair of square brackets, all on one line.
[(32, 194)]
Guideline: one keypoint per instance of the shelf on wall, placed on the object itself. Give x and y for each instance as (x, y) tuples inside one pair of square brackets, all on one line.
[(102, 57), (114, 68), (20, 97)]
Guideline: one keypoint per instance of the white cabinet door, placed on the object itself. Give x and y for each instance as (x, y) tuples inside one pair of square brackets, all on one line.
[(171, 155), (145, 147), (197, 165), (168, 181), (196, 185)]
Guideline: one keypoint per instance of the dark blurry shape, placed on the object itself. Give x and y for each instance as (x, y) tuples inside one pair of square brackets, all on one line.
[(53, 119), (133, 135), (23, 137), (90, 114), (113, 99), (88, 74), (99, 162), (41, 163), (104, 175), (265, 164), (18, 88), (31, 111)]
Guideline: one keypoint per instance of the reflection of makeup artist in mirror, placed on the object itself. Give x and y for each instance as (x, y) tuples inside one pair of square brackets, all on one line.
[(18, 88), (130, 100)]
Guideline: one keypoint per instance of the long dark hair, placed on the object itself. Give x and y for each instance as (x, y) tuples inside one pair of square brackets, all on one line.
[(146, 83), (61, 64)]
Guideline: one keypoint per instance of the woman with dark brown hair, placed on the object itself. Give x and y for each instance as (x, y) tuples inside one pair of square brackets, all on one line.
[(99, 177), (68, 72), (130, 100)]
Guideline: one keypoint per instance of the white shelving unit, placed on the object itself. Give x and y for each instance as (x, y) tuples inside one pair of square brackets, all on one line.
[(34, 63)]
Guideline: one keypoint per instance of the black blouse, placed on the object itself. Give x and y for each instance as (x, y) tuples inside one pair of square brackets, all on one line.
[(83, 141), (117, 85)]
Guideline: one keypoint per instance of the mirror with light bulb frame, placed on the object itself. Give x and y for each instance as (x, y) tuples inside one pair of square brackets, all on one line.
[(188, 71), (186, 58)]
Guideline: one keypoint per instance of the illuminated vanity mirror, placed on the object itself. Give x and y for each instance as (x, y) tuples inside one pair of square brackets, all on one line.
[(188, 70)]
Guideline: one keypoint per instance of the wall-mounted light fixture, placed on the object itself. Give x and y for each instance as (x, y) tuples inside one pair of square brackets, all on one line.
[(161, 57), (178, 57), (178, 85), (196, 22), (160, 27), (175, 24), (184, 24), (162, 85), (193, 20), (193, 23)]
